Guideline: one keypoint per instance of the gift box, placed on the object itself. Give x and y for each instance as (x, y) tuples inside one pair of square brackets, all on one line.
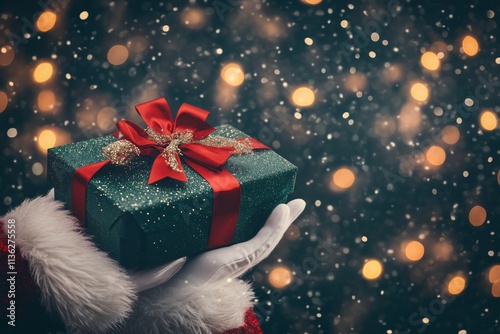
[(142, 224)]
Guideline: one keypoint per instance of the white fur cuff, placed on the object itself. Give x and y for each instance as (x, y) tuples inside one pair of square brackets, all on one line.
[(211, 308), (88, 290)]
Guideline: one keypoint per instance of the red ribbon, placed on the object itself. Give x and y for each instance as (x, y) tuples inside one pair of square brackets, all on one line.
[(205, 160)]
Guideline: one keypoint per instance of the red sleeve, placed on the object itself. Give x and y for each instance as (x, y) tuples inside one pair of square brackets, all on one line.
[(251, 325)]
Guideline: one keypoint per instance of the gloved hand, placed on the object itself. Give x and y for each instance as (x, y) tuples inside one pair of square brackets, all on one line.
[(91, 293), (205, 296), (227, 262)]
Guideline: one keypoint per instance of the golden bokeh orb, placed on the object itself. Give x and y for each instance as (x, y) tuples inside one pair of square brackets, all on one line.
[(280, 277), (372, 269), (46, 100), (430, 61), (414, 250), (488, 120), (419, 92), (470, 46), (46, 21), (7, 55), (456, 285), (495, 289), (435, 155), (450, 134), (494, 273), (303, 96), (43, 72), (117, 55), (233, 74), (4, 101), (312, 2), (46, 139), (343, 178), (477, 215)]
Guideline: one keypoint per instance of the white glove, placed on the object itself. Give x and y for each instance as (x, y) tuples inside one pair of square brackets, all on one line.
[(227, 262)]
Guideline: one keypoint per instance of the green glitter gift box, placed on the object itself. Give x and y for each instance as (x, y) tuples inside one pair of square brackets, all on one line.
[(142, 225)]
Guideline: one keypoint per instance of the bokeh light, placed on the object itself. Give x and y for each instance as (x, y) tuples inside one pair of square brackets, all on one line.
[(419, 92), (193, 18), (488, 120), (43, 72), (233, 74), (46, 21), (4, 101), (6, 55), (303, 97), (343, 178), (312, 2), (84, 15), (456, 285), (105, 118), (372, 269), (470, 45), (494, 273), (450, 134), (477, 215), (280, 277), (46, 139), (46, 100), (430, 61), (414, 250), (435, 155), (495, 289), (117, 55), (385, 126), (410, 119)]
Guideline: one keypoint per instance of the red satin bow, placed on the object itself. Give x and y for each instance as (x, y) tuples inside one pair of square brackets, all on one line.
[(158, 117)]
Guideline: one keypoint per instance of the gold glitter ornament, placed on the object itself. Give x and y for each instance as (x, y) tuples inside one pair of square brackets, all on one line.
[(121, 152)]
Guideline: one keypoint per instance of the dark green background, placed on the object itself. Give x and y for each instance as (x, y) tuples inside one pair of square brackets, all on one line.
[(328, 293)]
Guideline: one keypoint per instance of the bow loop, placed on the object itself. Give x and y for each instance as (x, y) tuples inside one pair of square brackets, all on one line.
[(157, 115), (191, 118)]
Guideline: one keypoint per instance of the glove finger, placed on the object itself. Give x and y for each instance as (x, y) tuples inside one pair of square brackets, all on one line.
[(257, 249), (296, 207), (151, 278), (221, 263)]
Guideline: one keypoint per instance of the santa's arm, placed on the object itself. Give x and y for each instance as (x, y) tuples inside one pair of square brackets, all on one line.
[(78, 282)]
